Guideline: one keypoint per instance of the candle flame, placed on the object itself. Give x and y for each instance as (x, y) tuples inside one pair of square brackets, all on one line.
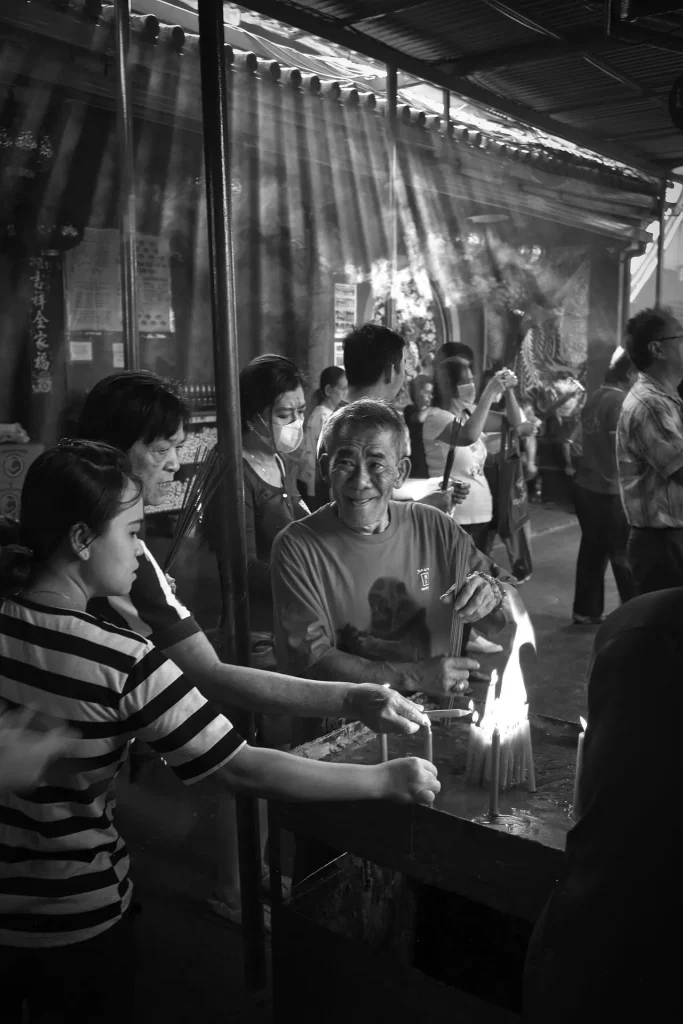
[(475, 717), (584, 723)]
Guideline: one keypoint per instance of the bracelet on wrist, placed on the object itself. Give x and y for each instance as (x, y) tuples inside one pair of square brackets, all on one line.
[(493, 583)]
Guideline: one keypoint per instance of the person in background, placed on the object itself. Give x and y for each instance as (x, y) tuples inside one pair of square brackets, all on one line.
[(143, 415), (421, 390), (475, 512), (272, 407), (449, 350), (604, 529), (650, 451), (602, 949), (559, 447), (325, 399), (68, 942)]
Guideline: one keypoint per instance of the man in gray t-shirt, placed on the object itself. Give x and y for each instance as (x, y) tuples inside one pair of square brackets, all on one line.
[(358, 586)]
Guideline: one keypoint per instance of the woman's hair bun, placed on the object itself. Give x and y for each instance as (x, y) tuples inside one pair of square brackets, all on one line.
[(15, 559)]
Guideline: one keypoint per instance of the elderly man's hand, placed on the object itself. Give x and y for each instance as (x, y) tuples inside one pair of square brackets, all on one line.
[(383, 709), (476, 599), (445, 500), (439, 675)]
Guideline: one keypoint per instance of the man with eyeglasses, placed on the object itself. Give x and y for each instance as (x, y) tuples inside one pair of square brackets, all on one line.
[(650, 451)]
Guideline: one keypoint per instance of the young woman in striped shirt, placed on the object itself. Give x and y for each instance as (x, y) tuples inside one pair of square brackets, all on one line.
[(64, 885)]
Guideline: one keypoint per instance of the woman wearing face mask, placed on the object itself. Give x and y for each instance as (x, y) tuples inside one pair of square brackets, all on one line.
[(273, 408), (456, 385)]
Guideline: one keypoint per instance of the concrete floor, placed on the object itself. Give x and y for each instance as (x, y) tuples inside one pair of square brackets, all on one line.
[(190, 961)]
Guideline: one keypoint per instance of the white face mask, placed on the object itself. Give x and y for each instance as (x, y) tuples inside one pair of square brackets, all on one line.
[(288, 437), (467, 393)]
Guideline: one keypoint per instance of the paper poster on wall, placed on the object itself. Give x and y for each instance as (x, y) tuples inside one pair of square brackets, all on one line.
[(93, 283), (339, 354), (80, 351), (117, 355), (345, 303)]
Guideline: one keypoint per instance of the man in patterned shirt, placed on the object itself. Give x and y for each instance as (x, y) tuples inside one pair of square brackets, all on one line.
[(650, 451)]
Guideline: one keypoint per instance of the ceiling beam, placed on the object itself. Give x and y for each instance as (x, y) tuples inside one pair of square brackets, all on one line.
[(309, 20), (507, 56), (363, 19)]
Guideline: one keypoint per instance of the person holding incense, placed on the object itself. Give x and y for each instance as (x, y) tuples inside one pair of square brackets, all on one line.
[(605, 946), (359, 586), (68, 943), (458, 387)]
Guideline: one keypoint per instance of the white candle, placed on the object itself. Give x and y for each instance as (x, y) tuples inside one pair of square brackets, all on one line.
[(383, 747), (579, 769), (495, 773), (428, 745)]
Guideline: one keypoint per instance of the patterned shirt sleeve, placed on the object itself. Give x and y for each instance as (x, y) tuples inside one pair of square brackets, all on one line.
[(655, 436), (159, 706)]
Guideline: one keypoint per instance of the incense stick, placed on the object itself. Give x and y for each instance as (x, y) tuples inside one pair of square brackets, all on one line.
[(457, 624), (209, 467), (450, 456)]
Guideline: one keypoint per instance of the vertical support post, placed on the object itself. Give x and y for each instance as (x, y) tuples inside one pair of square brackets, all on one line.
[(624, 296), (392, 102), (234, 625), (659, 273), (127, 196), (626, 299), (446, 112)]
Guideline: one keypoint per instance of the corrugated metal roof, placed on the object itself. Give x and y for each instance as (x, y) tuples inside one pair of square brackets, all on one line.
[(521, 84)]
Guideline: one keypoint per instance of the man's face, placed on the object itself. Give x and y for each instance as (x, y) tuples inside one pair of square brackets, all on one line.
[(155, 465), (668, 349), (364, 468)]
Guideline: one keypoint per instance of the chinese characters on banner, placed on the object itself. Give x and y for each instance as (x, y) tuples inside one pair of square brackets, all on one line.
[(41, 361)]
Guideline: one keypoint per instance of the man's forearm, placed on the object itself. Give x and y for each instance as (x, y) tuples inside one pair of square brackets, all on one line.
[(401, 675), (255, 690)]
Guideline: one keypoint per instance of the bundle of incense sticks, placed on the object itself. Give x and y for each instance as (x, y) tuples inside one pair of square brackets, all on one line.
[(457, 624), (209, 466)]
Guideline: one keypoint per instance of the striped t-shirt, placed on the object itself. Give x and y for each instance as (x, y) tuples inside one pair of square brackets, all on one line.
[(63, 866)]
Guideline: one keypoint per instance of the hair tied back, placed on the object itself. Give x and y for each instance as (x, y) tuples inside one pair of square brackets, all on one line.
[(15, 566)]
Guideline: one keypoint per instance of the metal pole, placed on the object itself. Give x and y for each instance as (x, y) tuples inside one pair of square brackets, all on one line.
[(127, 213), (234, 625), (626, 298), (392, 101), (659, 273), (446, 112)]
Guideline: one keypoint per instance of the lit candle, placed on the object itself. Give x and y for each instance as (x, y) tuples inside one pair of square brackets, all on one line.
[(495, 773), (428, 745), (383, 747), (579, 769)]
